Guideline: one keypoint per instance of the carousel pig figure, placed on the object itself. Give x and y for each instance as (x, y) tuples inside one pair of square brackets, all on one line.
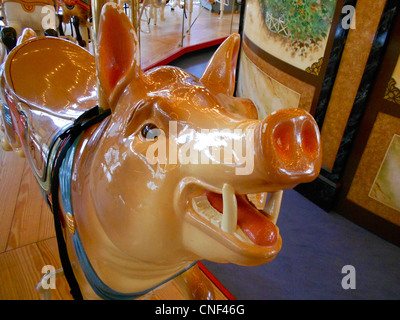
[(177, 172), (37, 15)]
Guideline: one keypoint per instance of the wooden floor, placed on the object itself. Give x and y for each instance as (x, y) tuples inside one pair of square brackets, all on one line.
[(166, 36), (27, 236)]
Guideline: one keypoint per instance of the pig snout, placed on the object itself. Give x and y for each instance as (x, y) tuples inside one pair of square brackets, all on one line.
[(290, 146)]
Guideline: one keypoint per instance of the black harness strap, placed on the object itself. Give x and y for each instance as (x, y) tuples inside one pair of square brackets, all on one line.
[(83, 122)]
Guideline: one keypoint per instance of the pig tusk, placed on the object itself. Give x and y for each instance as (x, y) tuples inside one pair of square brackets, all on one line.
[(229, 216), (273, 206)]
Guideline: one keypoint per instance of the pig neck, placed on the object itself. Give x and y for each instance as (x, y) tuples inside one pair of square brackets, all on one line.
[(119, 271)]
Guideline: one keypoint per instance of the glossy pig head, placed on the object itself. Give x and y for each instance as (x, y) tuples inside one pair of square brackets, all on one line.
[(184, 168)]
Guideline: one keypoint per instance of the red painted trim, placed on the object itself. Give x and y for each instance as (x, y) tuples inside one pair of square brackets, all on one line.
[(215, 281), (185, 50)]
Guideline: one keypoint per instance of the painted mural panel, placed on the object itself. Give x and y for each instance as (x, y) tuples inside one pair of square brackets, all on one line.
[(267, 93), (375, 185), (392, 92), (294, 31), (385, 188)]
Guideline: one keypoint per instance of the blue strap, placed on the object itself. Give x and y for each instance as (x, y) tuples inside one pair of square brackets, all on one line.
[(98, 286), (57, 155)]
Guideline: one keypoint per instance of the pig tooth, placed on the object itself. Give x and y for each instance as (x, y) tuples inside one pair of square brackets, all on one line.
[(258, 199), (203, 207), (229, 216), (273, 206)]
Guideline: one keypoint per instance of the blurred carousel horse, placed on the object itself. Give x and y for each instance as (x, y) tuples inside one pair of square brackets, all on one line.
[(9, 139), (173, 4), (80, 12), (154, 6), (127, 5), (39, 15)]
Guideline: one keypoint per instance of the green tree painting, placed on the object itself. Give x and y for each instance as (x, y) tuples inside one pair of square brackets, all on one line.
[(304, 22)]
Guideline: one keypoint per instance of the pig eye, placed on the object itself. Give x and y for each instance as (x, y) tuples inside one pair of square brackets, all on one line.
[(150, 131)]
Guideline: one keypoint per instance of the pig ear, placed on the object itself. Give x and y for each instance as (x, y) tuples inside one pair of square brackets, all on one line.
[(219, 75), (118, 55)]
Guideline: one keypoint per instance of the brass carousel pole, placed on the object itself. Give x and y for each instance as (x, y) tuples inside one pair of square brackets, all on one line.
[(97, 5), (233, 11), (135, 9), (183, 23), (134, 16)]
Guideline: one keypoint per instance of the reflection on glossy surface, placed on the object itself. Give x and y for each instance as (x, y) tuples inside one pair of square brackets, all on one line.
[(62, 83), (49, 83), (179, 172)]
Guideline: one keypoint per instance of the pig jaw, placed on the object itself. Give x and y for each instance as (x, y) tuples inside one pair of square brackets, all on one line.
[(207, 234)]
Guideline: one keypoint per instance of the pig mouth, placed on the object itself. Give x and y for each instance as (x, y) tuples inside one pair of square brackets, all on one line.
[(244, 221)]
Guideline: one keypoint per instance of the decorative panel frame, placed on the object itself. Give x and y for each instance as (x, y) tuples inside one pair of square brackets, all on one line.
[(304, 79), (367, 195)]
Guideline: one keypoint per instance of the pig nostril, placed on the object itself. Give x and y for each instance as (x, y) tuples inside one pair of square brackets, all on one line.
[(283, 138), (309, 139)]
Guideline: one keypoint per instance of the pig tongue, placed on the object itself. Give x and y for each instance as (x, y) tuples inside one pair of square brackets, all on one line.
[(254, 224)]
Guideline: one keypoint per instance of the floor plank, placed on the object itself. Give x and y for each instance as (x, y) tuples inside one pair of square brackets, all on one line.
[(46, 227), (26, 220), (21, 271), (11, 171), (49, 251)]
